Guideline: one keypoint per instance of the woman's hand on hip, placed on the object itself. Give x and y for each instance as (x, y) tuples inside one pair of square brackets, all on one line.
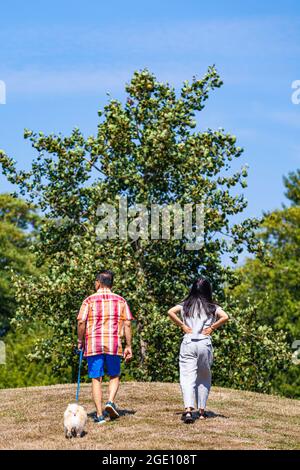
[(208, 331), (186, 329)]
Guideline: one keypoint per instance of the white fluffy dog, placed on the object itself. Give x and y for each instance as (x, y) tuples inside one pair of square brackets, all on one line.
[(75, 418)]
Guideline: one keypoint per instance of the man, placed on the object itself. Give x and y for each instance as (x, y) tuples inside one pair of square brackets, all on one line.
[(102, 319)]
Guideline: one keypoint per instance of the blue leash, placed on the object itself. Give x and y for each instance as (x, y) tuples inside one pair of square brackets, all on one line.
[(79, 370)]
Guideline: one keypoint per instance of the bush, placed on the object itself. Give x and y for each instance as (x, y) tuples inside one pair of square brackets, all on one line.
[(22, 371)]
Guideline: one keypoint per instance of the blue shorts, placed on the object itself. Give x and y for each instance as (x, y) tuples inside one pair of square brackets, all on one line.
[(96, 365)]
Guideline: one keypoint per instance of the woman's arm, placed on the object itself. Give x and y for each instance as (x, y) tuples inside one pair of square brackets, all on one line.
[(174, 317), (222, 318)]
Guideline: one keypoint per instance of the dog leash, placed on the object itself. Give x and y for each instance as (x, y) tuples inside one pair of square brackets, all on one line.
[(79, 370)]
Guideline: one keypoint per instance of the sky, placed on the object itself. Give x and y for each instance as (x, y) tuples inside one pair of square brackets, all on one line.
[(59, 60)]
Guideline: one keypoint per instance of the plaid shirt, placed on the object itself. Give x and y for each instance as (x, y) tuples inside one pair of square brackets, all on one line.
[(104, 313)]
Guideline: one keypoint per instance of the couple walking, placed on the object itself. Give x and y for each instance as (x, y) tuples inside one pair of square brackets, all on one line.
[(105, 317)]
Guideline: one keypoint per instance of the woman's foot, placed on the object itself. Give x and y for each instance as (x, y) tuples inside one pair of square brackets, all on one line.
[(188, 417), (202, 414)]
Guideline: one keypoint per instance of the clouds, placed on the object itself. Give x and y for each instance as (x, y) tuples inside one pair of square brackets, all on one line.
[(36, 81), (58, 66), (289, 119), (238, 36), (78, 59)]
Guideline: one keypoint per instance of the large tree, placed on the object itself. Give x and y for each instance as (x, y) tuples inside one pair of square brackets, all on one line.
[(17, 227), (275, 282), (148, 150)]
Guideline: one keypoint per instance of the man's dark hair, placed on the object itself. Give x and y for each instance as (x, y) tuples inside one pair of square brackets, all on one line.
[(106, 278)]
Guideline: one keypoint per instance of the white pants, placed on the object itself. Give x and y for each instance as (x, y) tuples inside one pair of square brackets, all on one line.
[(195, 360)]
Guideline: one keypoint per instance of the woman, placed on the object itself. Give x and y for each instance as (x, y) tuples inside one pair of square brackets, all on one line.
[(200, 317)]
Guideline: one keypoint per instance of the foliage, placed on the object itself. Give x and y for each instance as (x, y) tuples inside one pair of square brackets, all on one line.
[(22, 371), (292, 184), (17, 222), (149, 151), (277, 283), (248, 355)]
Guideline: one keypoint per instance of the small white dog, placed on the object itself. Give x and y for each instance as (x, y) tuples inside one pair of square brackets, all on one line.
[(75, 418)]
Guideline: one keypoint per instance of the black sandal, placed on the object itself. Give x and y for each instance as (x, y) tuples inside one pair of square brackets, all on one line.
[(188, 417), (203, 416)]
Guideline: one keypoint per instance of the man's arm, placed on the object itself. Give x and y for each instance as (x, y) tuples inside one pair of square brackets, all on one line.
[(81, 324), (128, 336)]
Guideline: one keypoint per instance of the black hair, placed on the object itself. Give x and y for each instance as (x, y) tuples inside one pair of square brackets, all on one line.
[(106, 278), (199, 295)]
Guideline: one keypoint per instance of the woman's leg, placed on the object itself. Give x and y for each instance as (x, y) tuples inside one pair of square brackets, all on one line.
[(188, 374), (203, 381)]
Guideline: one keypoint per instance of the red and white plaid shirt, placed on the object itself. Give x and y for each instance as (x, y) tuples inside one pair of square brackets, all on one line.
[(104, 313)]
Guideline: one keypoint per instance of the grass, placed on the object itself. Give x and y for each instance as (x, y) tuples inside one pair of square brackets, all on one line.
[(32, 418)]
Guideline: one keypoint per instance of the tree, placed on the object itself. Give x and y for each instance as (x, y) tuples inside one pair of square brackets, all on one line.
[(19, 371), (148, 151), (17, 223), (277, 282), (292, 184)]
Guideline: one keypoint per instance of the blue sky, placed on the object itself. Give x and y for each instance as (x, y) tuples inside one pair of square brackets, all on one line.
[(58, 60)]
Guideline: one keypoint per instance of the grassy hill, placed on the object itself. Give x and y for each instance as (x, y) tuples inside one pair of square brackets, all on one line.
[(32, 418)]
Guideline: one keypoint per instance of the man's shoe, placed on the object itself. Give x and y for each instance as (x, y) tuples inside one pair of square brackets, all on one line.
[(111, 409), (99, 419)]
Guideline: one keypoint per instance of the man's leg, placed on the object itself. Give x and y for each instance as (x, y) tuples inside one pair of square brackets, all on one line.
[(97, 394), (114, 383), (96, 372), (113, 364)]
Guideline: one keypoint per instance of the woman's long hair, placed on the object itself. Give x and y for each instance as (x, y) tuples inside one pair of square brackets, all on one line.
[(199, 295)]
